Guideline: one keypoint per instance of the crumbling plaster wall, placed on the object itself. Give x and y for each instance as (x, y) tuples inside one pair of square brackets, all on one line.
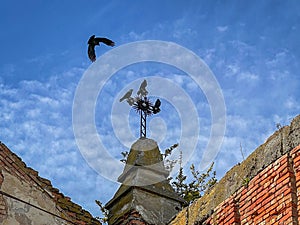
[(31, 199), (17, 212)]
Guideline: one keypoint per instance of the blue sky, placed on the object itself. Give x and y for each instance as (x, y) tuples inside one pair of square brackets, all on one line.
[(252, 48)]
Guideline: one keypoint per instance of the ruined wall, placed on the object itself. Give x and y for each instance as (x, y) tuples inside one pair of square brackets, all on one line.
[(18, 212), (263, 189), (28, 199), (269, 198)]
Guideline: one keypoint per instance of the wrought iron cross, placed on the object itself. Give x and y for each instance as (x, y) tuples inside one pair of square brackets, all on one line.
[(142, 105)]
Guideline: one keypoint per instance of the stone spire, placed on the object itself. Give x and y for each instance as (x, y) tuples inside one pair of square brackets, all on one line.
[(145, 196)]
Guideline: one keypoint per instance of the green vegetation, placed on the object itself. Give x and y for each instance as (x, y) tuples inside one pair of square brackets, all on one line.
[(199, 184), (104, 212)]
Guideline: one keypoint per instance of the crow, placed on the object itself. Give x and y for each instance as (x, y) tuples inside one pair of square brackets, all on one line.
[(127, 95), (93, 41), (156, 106), (142, 91)]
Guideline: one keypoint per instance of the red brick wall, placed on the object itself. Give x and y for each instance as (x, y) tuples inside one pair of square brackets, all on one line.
[(271, 197), (296, 167), (132, 218)]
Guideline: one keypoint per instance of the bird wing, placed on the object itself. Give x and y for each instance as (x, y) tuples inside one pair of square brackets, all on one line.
[(91, 40), (91, 53), (104, 40), (157, 103)]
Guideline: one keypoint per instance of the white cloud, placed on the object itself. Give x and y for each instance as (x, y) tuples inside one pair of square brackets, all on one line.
[(36, 124), (136, 37), (181, 29), (248, 76), (278, 74), (222, 28), (232, 69), (237, 122), (243, 48), (292, 103), (209, 56), (278, 58)]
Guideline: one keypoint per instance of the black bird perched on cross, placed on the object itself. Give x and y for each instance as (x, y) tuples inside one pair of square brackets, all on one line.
[(156, 106), (93, 41)]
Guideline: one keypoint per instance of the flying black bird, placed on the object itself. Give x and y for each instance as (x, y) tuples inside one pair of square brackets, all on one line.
[(93, 41), (156, 106), (142, 91), (127, 95)]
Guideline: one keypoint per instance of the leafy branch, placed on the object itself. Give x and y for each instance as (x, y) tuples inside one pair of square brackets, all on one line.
[(104, 211), (199, 184), (169, 164)]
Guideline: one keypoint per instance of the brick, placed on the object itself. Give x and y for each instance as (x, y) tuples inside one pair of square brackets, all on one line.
[(284, 178)]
